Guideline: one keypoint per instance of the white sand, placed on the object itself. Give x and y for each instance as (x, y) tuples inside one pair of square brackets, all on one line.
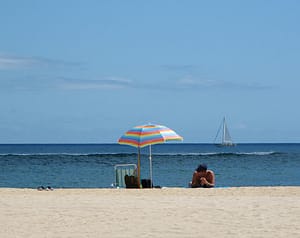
[(172, 212)]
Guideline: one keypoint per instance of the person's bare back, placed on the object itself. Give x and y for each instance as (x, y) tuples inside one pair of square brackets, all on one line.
[(203, 177)]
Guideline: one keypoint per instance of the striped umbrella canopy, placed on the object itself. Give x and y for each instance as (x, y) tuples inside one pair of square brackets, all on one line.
[(147, 135)]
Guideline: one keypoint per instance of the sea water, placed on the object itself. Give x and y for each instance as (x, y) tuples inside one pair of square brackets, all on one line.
[(92, 165)]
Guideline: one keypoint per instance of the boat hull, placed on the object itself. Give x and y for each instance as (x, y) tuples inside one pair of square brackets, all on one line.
[(225, 145)]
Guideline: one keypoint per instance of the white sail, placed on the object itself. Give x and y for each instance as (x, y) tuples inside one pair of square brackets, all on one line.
[(226, 138)]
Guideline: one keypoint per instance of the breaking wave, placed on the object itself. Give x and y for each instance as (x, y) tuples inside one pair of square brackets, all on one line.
[(103, 155)]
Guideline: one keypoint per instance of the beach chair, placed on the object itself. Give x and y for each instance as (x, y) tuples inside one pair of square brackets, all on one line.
[(125, 176)]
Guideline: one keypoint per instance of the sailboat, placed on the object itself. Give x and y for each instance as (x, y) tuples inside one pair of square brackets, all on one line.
[(225, 138)]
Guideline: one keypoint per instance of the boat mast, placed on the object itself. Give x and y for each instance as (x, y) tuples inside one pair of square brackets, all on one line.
[(224, 131)]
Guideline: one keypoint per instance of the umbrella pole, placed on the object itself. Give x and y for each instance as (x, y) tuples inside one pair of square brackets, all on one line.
[(150, 166), (139, 168)]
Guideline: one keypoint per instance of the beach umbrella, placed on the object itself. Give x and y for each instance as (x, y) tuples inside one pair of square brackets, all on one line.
[(147, 135)]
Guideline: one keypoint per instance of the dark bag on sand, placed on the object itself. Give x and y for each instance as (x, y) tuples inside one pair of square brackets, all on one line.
[(146, 183), (131, 181)]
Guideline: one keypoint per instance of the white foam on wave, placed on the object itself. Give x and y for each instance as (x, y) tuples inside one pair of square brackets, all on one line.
[(257, 153)]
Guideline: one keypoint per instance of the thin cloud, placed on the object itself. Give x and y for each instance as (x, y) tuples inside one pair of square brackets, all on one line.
[(15, 63), (7, 63), (33, 82), (189, 82), (94, 84), (33, 68), (56, 63)]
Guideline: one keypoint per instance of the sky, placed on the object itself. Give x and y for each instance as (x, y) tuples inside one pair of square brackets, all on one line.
[(88, 71)]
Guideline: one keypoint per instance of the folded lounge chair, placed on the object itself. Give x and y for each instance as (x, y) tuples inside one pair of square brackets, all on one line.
[(125, 176)]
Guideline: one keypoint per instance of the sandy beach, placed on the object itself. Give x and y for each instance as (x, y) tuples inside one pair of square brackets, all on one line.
[(168, 212)]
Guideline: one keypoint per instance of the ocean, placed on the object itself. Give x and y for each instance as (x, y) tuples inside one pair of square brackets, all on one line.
[(92, 165)]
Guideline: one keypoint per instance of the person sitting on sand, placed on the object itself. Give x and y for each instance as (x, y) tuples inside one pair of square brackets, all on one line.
[(203, 178)]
